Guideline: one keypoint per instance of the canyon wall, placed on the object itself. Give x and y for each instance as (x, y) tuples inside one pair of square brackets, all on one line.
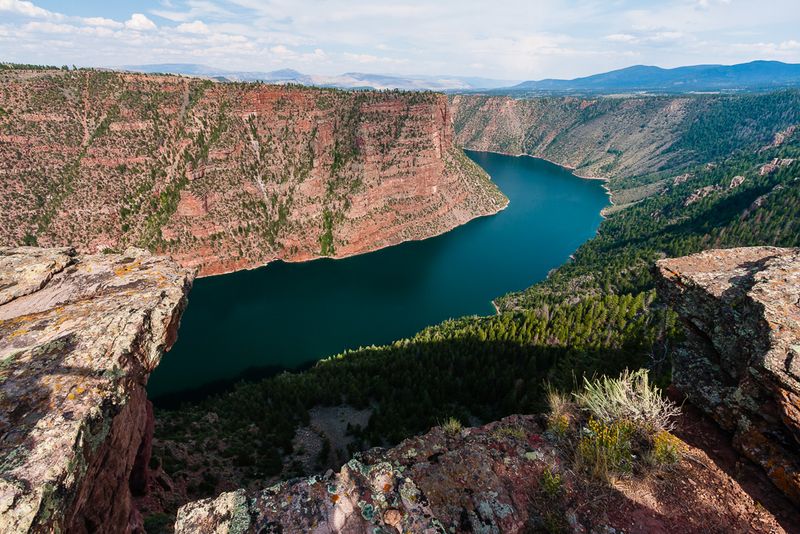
[(596, 137), (740, 361), (226, 176), (630, 140), (79, 336)]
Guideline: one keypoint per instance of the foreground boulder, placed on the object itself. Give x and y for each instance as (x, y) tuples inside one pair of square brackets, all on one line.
[(508, 476), (741, 358), (79, 336)]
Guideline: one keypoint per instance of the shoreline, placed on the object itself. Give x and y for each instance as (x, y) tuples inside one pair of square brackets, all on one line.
[(565, 167), (568, 168), (571, 170), (353, 254)]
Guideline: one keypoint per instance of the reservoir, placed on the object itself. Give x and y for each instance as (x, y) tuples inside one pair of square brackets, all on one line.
[(288, 315)]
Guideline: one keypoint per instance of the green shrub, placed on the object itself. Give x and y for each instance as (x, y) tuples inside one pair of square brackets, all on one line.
[(452, 426), (666, 449), (509, 432), (605, 449), (552, 483), (629, 398), (561, 413)]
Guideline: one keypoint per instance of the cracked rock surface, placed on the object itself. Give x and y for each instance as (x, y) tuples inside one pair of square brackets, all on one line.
[(79, 336), (740, 362)]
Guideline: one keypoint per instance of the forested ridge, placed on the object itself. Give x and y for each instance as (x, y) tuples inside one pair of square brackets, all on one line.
[(707, 210), (595, 315)]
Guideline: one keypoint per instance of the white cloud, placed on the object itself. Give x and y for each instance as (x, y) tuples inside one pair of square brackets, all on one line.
[(28, 9), (621, 38), (140, 22), (197, 26), (373, 59), (102, 22), (49, 27), (518, 40)]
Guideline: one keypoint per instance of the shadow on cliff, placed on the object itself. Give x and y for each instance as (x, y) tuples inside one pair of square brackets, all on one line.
[(700, 431), (732, 362)]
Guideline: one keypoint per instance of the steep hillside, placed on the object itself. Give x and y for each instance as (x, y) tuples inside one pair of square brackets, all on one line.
[(631, 141), (226, 176), (750, 198)]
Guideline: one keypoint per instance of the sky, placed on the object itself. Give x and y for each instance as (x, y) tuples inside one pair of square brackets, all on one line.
[(502, 39)]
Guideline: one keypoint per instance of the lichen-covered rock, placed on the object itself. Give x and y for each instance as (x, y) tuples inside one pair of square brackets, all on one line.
[(741, 359), (508, 476), (78, 339)]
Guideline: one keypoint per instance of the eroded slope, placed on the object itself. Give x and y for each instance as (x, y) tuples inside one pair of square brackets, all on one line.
[(632, 140), (226, 176)]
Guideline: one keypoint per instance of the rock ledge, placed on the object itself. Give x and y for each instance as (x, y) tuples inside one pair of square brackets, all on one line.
[(79, 336), (740, 362)]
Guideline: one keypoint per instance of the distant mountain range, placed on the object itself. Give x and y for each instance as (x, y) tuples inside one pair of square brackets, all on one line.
[(349, 80), (753, 76), (757, 75)]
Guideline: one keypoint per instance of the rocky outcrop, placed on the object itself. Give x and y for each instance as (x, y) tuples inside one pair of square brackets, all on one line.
[(741, 358), (700, 194), (226, 176), (774, 165), (79, 336), (508, 476)]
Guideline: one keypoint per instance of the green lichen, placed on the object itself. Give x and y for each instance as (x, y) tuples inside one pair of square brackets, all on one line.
[(239, 522), (367, 510)]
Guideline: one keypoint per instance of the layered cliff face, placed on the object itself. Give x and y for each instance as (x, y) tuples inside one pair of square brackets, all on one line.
[(78, 337), (596, 137), (741, 358), (226, 176), (509, 476), (632, 141)]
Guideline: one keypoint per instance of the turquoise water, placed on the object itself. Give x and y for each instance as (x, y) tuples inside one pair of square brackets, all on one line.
[(286, 315)]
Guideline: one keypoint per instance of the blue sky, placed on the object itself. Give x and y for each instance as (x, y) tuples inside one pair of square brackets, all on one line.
[(506, 39)]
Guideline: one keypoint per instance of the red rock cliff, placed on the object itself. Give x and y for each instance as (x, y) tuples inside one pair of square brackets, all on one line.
[(227, 176)]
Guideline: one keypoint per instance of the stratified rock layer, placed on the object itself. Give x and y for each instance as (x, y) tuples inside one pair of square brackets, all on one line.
[(741, 359), (78, 338), (487, 479), (227, 176), (598, 137)]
